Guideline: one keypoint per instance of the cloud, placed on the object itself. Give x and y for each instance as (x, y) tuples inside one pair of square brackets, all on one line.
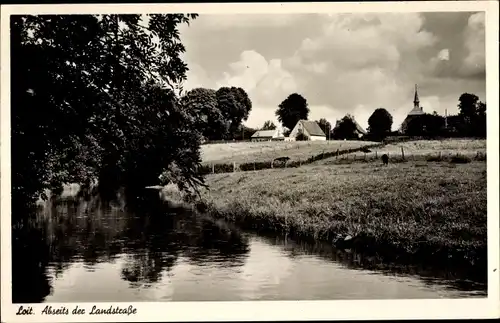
[(342, 63), (444, 55), (266, 82), (365, 63), (197, 77), (474, 63)]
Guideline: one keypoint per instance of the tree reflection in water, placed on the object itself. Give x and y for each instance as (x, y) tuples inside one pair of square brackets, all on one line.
[(147, 235)]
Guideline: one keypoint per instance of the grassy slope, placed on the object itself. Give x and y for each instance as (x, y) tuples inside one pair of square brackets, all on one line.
[(435, 207), (245, 152), (417, 150)]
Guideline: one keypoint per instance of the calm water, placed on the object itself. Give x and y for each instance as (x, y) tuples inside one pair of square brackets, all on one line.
[(79, 252)]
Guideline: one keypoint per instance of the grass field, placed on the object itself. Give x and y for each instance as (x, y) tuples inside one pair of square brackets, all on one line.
[(419, 150), (420, 209), (245, 152)]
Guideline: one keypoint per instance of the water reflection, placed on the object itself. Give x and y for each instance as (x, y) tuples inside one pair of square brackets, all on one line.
[(146, 234), (80, 249), (468, 280)]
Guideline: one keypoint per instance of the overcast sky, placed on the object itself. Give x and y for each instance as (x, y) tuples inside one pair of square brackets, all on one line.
[(341, 63)]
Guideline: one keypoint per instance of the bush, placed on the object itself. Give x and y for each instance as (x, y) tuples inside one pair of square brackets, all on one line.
[(434, 158), (460, 159), (301, 137)]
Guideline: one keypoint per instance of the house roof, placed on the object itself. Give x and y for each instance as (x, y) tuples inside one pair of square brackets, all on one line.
[(358, 127), (312, 128), (416, 112), (264, 133)]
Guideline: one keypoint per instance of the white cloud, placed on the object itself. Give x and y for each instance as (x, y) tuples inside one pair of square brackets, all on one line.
[(475, 44), (197, 77), (444, 55), (266, 83)]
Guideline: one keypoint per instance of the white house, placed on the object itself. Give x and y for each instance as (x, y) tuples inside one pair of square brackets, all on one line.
[(309, 128), (268, 135)]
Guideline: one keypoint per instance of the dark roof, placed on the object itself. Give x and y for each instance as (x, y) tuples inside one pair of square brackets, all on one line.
[(264, 133), (312, 128)]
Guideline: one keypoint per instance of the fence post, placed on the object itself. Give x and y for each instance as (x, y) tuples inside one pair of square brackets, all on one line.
[(376, 156), (234, 167), (402, 153), (253, 165)]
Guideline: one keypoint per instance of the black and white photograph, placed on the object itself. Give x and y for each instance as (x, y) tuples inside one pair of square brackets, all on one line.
[(177, 155)]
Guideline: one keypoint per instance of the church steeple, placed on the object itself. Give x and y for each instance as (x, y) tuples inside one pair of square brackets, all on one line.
[(416, 102)]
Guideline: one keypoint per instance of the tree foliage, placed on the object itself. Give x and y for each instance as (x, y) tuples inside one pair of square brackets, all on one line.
[(234, 105), (472, 113), (380, 123), (219, 113), (268, 125), (292, 109), (325, 126), (345, 129), (83, 101), (244, 133), (428, 125), (202, 105), (301, 136)]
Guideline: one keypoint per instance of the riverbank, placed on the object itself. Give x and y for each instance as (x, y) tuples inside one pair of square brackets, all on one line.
[(425, 212)]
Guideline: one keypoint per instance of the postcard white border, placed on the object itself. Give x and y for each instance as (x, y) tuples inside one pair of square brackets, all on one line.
[(267, 310)]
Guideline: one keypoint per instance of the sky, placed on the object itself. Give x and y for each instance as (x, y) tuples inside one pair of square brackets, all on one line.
[(341, 63)]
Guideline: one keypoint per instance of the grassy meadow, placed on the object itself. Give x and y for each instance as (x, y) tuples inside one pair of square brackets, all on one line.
[(409, 208), (418, 150), (247, 152)]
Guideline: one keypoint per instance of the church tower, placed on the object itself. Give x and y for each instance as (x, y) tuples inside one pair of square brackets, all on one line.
[(416, 111), (416, 102)]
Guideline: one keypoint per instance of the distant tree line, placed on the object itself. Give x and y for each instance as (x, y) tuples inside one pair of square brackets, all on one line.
[(469, 122)]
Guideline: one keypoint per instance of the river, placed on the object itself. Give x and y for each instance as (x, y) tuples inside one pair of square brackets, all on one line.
[(79, 251)]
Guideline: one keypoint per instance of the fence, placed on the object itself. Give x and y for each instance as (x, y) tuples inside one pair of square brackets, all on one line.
[(404, 156), (233, 167)]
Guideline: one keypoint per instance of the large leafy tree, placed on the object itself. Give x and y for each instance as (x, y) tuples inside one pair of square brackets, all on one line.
[(472, 113), (345, 129), (234, 105), (203, 106), (292, 109), (83, 95), (480, 124), (467, 106), (380, 123)]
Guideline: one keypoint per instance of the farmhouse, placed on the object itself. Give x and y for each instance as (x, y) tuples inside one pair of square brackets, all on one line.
[(268, 135), (309, 128)]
